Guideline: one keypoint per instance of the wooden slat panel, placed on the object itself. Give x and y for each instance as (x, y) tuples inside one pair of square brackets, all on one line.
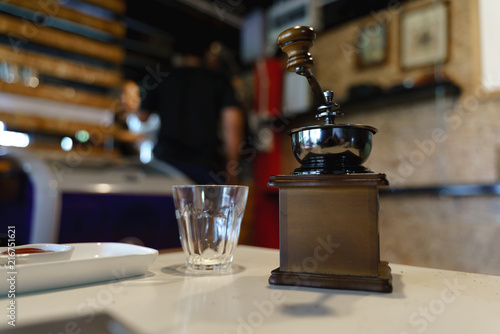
[(58, 93), (52, 8), (61, 68), (55, 151), (29, 123), (115, 6), (28, 32)]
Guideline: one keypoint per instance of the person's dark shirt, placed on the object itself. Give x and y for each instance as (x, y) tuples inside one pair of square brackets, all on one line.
[(189, 102)]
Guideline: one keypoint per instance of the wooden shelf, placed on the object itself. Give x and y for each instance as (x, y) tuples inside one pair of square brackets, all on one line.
[(115, 28), (388, 99), (24, 32), (400, 95), (77, 62), (55, 151), (28, 123), (114, 6), (62, 68), (58, 93)]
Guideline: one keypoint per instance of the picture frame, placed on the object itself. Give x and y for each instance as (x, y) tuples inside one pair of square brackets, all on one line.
[(425, 36), (372, 45)]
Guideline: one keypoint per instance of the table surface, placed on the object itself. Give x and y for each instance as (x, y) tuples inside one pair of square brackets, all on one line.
[(166, 300)]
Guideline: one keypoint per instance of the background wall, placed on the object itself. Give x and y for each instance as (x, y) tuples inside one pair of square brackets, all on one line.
[(435, 140), (335, 50), (439, 140), (445, 232)]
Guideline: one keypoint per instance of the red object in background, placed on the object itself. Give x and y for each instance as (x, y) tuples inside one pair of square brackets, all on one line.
[(268, 90)]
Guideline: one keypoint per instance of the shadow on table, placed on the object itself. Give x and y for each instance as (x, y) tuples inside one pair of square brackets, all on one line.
[(318, 307)]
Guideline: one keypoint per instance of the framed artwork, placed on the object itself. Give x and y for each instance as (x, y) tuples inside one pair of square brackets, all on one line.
[(372, 45), (424, 36)]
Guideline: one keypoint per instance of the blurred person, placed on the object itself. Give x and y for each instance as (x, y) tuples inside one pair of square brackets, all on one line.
[(128, 103), (130, 98), (219, 58), (202, 123)]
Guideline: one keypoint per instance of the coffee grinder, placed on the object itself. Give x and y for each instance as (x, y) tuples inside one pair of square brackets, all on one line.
[(328, 207)]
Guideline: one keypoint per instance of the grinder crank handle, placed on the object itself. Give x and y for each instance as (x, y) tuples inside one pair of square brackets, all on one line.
[(296, 42)]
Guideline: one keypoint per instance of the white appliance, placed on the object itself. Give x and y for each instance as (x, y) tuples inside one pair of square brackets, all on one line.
[(96, 200)]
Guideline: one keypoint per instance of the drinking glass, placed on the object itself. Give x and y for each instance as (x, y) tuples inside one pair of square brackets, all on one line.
[(209, 219)]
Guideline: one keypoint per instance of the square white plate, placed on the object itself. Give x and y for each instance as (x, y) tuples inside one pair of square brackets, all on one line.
[(90, 262)]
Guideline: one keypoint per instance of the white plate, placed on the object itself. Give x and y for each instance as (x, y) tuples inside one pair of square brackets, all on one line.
[(91, 262), (51, 252)]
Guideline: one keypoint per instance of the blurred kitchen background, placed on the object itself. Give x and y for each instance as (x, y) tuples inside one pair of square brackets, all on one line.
[(76, 165)]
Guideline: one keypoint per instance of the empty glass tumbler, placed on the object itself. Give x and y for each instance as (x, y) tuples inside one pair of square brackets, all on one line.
[(209, 219)]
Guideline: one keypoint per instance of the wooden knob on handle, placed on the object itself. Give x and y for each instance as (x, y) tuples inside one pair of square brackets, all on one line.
[(296, 42)]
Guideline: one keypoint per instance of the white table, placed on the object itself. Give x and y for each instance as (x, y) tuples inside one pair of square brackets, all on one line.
[(166, 301)]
